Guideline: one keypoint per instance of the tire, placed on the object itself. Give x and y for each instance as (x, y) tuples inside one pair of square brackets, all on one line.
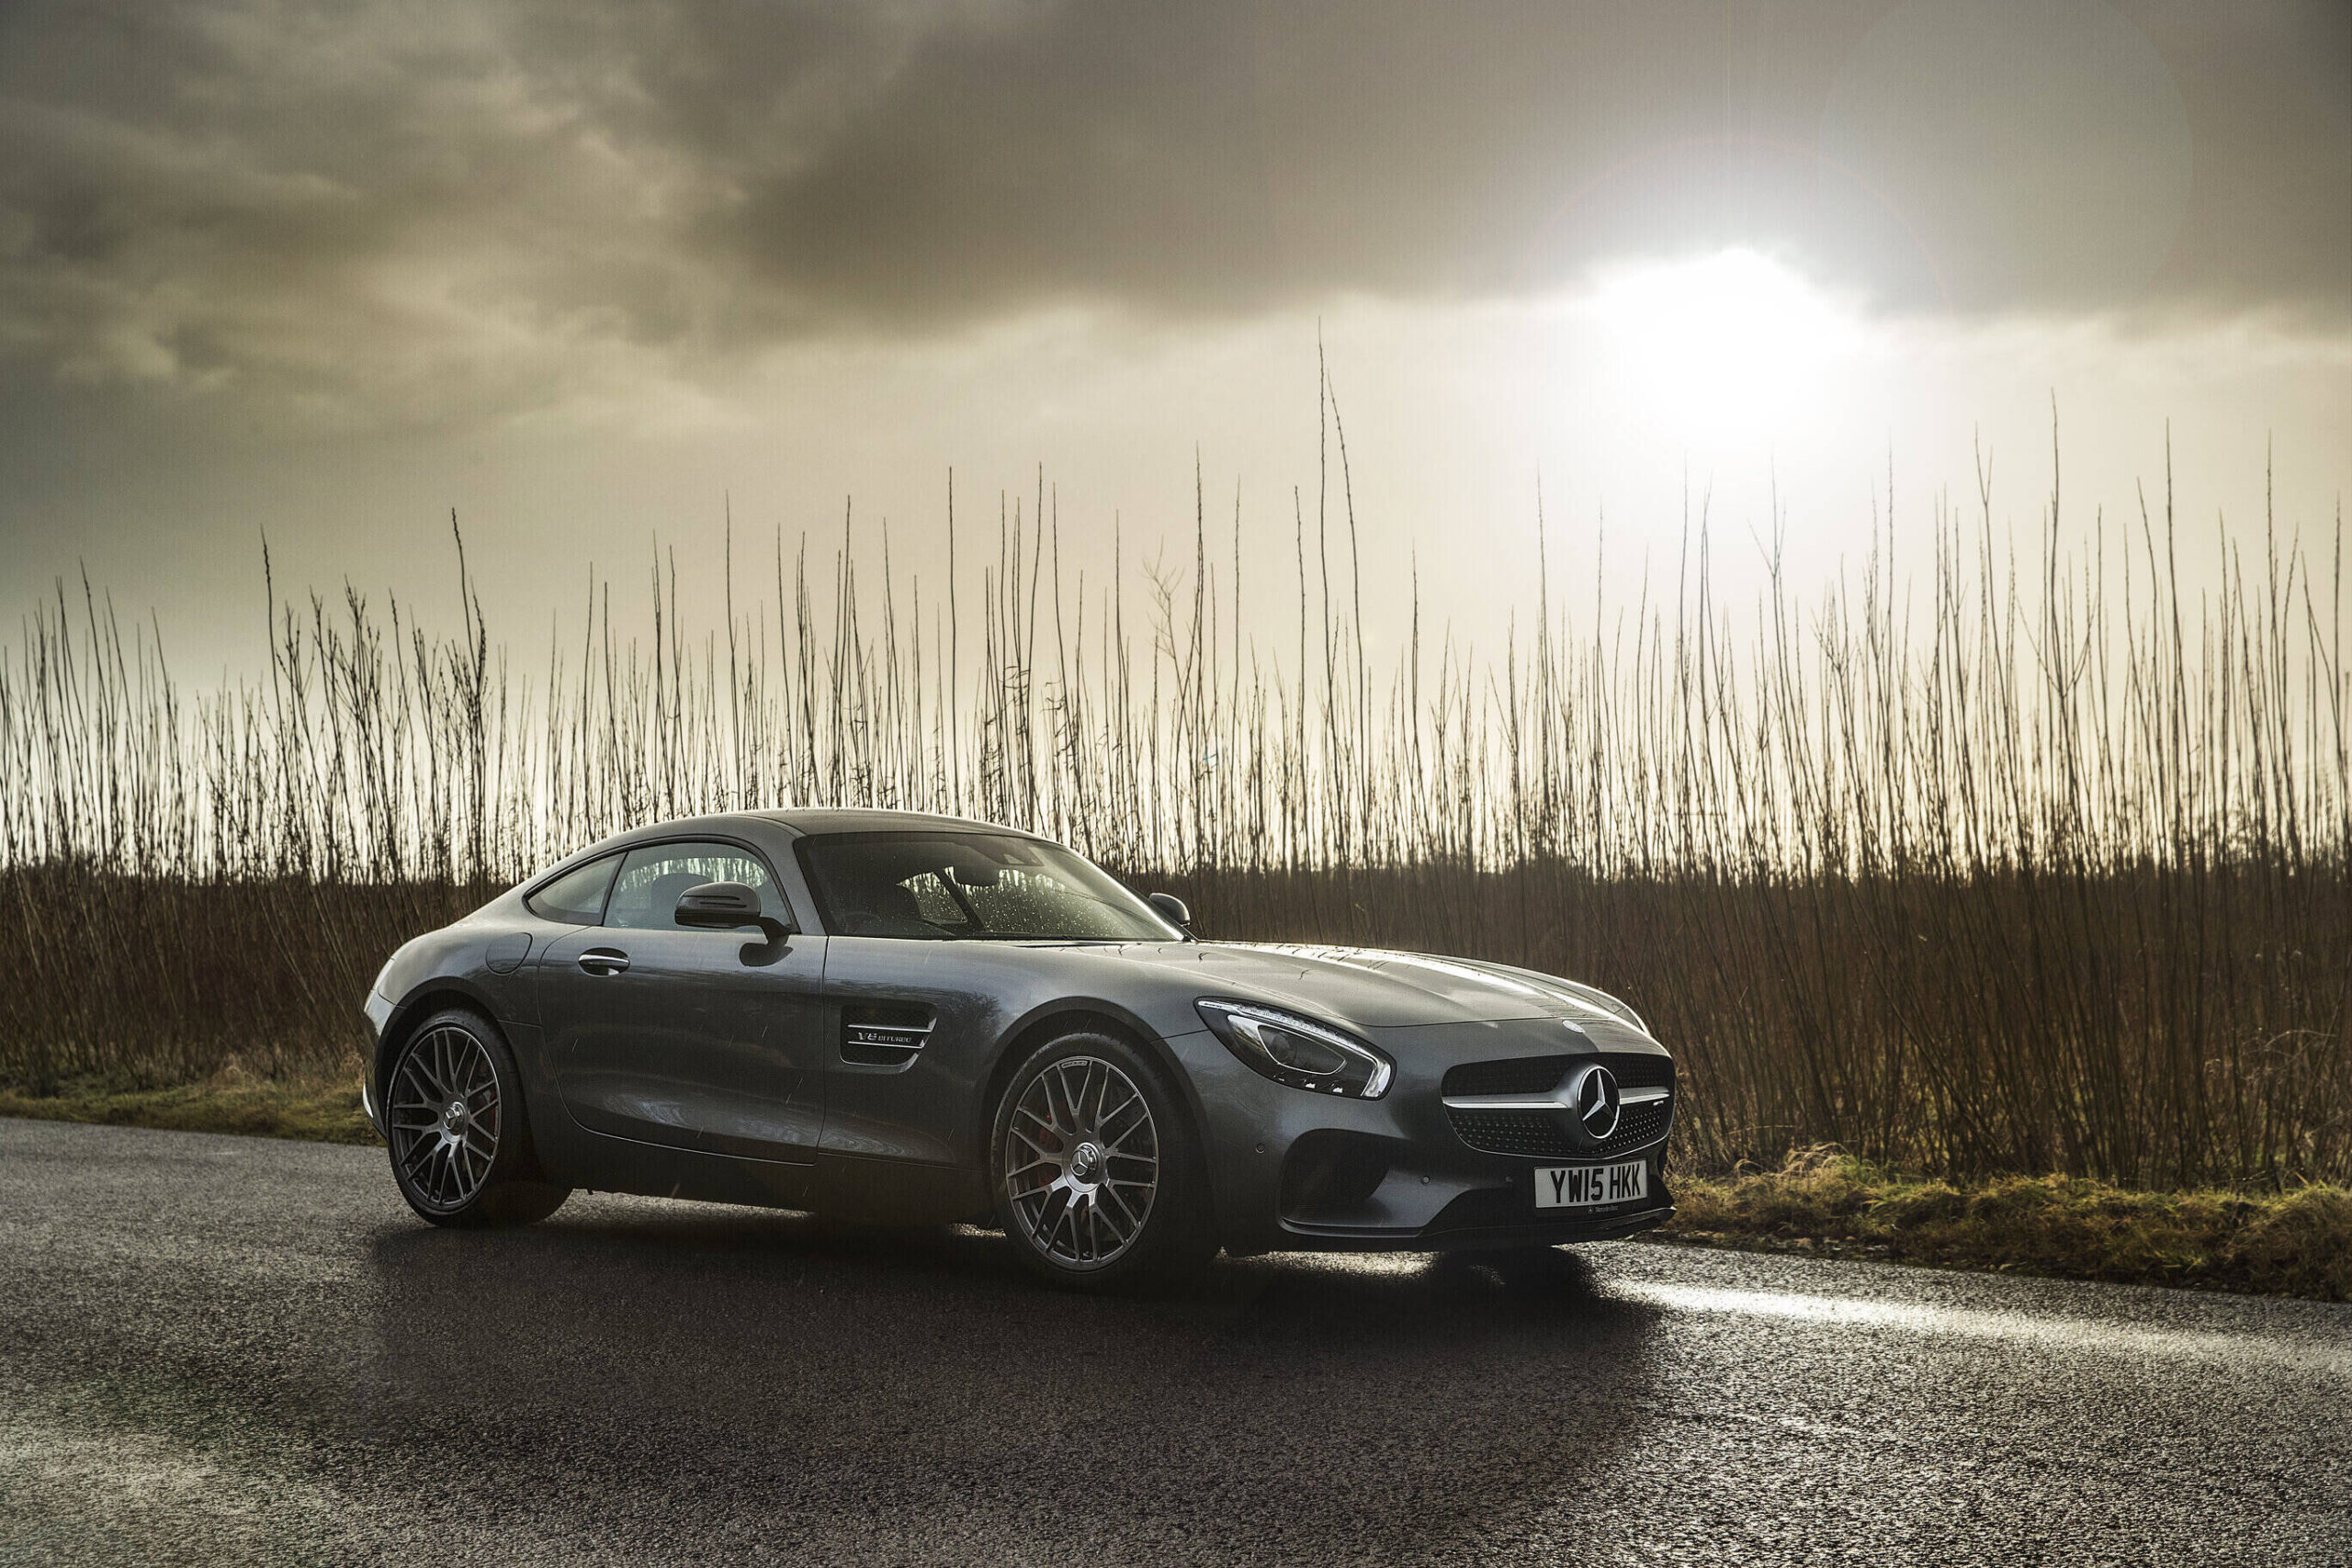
[(460, 1139), (1096, 1170)]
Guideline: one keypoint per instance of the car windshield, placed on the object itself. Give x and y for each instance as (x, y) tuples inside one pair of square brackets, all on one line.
[(949, 886)]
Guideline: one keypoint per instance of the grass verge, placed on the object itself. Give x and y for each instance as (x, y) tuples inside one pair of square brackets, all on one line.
[(1821, 1201), (2296, 1243), (320, 1109)]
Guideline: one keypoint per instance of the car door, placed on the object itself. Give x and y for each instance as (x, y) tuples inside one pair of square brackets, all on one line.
[(917, 1013), (701, 1040)]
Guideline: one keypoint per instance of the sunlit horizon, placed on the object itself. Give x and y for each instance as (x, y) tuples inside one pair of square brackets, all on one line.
[(1730, 344)]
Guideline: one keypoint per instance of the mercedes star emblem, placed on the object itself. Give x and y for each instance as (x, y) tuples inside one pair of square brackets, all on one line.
[(1593, 1095)]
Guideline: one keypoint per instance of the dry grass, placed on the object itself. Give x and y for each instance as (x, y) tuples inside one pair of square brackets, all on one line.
[(2027, 858), (320, 1109), (140, 983), (2296, 1242)]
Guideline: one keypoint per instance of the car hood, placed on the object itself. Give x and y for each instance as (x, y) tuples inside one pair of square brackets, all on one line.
[(1373, 988)]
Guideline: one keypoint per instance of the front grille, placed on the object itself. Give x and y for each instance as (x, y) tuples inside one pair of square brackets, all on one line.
[(1543, 1133), (1536, 1133), (1523, 1075), (1639, 1069), (1533, 1074), (1640, 1126)]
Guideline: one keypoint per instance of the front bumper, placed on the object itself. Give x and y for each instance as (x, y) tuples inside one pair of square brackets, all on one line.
[(1531, 1230), (1421, 1187)]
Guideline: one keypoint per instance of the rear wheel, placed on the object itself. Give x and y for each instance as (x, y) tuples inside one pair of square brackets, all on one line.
[(460, 1142), (1098, 1177)]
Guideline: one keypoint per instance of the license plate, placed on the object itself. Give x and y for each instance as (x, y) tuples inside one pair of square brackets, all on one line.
[(1591, 1186)]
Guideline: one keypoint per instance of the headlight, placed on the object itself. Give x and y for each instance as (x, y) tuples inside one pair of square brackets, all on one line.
[(1298, 1051)]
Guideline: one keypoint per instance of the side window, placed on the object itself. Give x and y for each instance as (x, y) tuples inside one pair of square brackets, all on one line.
[(577, 898), (645, 897)]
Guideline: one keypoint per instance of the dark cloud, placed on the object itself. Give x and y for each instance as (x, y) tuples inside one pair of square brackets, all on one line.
[(1976, 155), (491, 203)]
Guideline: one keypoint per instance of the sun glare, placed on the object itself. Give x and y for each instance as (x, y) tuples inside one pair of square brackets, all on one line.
[(1728, 347)]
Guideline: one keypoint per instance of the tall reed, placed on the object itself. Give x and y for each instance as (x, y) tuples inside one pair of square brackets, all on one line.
[(2038, 861)]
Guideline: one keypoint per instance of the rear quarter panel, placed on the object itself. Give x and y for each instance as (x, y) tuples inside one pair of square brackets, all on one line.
[(480, 962)]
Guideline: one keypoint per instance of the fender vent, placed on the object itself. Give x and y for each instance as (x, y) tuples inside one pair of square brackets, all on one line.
[(884, 1034)]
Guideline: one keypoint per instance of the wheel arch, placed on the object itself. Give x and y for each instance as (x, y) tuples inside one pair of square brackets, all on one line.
[(1044, 1024), (443, 991)]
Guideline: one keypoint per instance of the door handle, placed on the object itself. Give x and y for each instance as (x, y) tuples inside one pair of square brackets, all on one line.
[(604, 961)]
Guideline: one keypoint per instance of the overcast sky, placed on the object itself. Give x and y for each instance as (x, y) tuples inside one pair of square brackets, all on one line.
[(585, 270)]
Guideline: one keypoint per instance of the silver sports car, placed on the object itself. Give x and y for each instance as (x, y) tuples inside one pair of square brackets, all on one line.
[(911, 1019)]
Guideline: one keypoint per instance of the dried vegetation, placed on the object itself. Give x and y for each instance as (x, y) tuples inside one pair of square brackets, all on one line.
[(2026, 858)]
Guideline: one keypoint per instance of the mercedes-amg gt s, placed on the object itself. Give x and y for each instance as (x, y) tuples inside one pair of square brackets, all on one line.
[(911, 1019)]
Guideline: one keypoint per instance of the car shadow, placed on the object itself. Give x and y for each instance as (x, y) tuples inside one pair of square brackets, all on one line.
[(822, 1382)]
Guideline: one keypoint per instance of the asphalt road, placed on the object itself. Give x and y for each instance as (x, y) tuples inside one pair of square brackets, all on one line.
[(221, 1350)]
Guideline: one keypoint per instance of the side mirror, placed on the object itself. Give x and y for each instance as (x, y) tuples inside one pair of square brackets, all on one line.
[(726, 907), (1173, 910)]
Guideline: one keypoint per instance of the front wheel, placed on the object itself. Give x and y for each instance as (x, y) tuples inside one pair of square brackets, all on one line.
[(453, 1115), (1098, 1177)]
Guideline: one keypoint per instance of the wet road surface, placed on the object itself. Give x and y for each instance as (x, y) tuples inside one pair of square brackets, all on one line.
[(225, 1349)]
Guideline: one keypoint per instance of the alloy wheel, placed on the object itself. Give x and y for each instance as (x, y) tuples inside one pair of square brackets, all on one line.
[(1081, 1162), (445, 1116)]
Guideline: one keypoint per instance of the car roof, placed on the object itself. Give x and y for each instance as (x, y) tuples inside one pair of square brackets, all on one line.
[(799, 823), (874, 819)]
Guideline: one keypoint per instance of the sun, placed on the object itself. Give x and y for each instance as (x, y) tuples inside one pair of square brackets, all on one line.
[(1726, 347)]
